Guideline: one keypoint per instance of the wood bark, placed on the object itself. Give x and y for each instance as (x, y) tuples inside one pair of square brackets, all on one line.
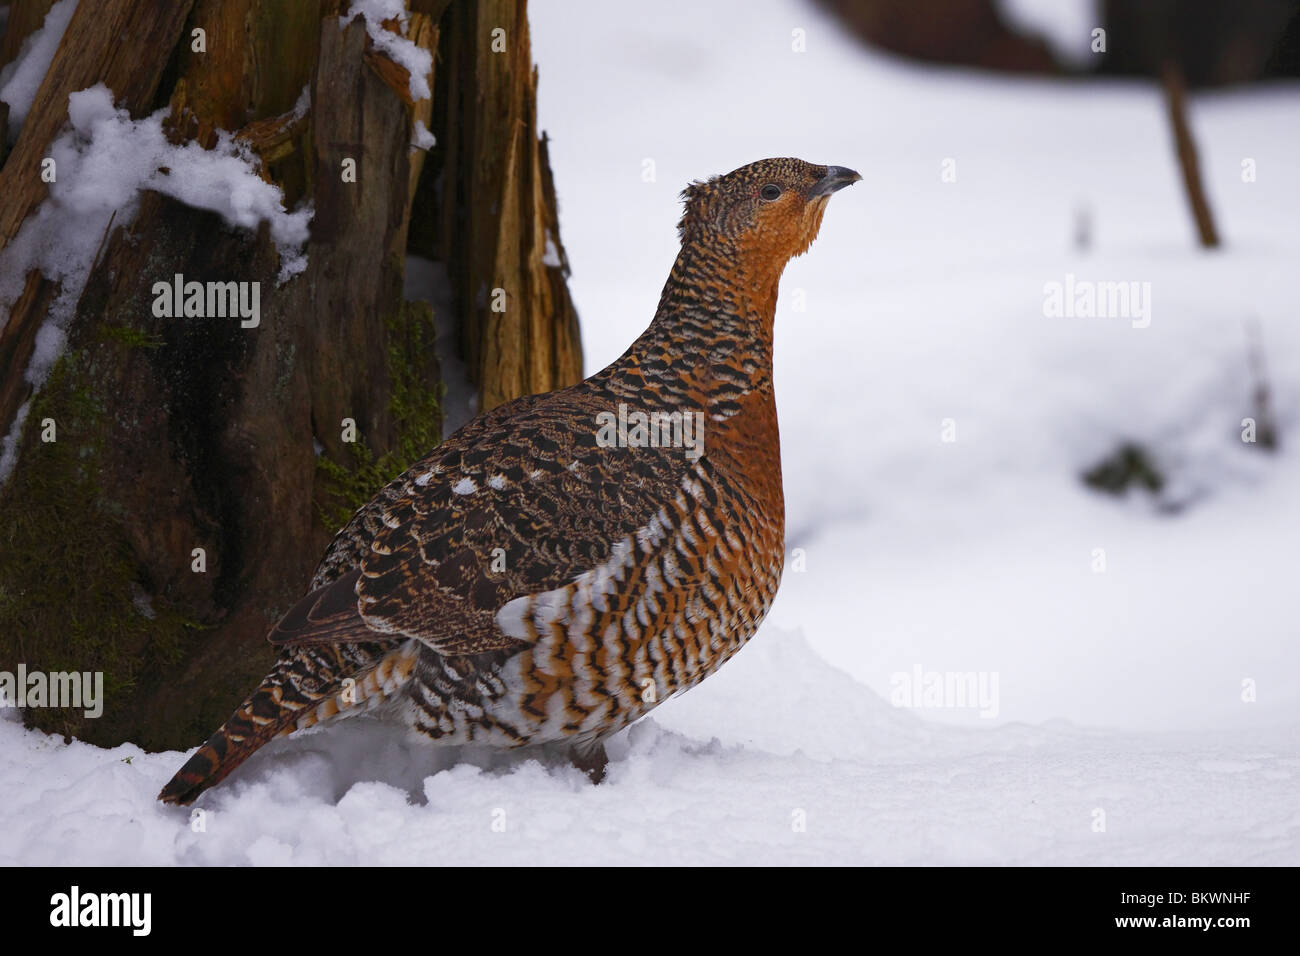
[(96, 47), (181, 435), (495, 236)]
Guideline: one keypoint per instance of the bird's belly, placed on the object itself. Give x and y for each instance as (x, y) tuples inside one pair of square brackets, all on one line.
[(598, 671), (593, 677), (596, 681)]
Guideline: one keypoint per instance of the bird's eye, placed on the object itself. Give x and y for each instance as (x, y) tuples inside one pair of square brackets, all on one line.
[(770, 191)]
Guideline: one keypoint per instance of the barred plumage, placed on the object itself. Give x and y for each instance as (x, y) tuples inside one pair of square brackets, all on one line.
[(525, 583)]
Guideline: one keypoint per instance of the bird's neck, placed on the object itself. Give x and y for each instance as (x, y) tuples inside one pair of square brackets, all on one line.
[(712, 332)]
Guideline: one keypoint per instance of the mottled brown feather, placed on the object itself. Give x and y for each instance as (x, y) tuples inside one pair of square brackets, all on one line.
[(624, 574)]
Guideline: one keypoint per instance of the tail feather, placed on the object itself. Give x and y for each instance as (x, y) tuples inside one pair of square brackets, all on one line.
[(308, 686), (209, 765)]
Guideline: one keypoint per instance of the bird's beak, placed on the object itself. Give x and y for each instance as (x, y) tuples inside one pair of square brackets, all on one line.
[(837, 177)]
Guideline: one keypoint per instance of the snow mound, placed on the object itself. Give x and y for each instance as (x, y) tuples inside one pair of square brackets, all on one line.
[(779, 758)]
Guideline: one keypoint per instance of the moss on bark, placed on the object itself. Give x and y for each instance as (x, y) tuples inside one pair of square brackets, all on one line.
[(72, 593), (416, 410)]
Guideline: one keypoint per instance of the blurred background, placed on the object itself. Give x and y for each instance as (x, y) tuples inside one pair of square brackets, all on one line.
[(1101, 509)]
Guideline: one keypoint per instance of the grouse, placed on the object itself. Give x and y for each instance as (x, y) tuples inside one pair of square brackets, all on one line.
[(567, 561)]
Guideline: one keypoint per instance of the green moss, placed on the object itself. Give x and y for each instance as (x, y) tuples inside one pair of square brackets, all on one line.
[(416, 407), (67, 572), (129, 335)]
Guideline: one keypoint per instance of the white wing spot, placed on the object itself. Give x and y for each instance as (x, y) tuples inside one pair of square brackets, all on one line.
[(510, 618), (424, 478), (497, 482), (465, 486)]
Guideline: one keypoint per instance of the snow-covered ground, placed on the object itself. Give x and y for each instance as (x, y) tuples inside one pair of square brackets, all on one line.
[(1139, 658), (782, 759)]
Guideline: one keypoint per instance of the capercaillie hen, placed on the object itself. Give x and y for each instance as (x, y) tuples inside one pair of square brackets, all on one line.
[(528, 582)]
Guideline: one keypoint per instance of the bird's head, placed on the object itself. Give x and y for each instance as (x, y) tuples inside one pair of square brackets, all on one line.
[(770, 210)]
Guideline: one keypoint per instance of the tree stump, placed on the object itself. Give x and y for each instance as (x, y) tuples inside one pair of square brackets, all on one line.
[(200, 467)]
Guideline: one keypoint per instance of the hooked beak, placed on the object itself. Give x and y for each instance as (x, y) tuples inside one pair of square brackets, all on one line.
[(837, 177)]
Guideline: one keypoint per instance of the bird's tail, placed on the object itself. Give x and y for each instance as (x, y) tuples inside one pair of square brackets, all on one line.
[(309, 685)]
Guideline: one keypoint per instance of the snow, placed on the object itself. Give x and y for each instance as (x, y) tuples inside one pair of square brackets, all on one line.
[(551, 254), (416, 60), (421, 138), (9, 444), (427, 281), (728, 775), (20, 79), (302, 105), (102, 163), (1146, 713)]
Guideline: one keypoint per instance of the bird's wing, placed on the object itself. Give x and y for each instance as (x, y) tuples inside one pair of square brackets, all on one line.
[(517, 503), (327, 615)]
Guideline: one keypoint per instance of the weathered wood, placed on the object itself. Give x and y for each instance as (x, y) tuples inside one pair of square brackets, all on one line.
[(273, 138), (18, 340), (562, 329), (115, 42), (24, 20), (495, 236), (202, 432), (424, 32), (259, 56), (258, 59), (120, 43), (184, 433)]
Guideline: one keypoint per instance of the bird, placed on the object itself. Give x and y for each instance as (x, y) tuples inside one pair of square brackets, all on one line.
[(567, 561)]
